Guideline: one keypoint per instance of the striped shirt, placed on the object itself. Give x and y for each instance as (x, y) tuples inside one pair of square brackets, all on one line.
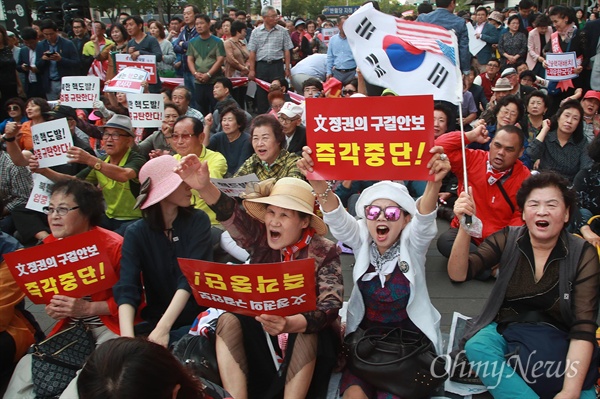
[(270, 45)]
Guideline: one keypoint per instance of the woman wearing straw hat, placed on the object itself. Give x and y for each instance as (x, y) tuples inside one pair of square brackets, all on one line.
[(389, 247), (278, 224), (170, 229)]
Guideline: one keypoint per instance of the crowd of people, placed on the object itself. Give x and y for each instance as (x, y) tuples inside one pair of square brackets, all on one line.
[(532, 158)]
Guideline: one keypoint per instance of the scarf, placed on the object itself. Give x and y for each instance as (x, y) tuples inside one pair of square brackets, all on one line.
[(384, 264), (492, 174), (564, 85), (289, 251)]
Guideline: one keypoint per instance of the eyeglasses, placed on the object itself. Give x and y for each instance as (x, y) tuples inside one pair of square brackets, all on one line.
[(13, 108), (285, 121), (114, 136), (392, 213), (182, 137), (60, 211), (348, 92)]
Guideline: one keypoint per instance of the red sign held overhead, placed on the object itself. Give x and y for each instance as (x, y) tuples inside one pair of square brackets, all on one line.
[(282, 289), (76, 266), (370, 137)]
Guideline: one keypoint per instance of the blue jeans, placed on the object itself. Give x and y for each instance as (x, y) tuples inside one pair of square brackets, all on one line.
[(486, 350)]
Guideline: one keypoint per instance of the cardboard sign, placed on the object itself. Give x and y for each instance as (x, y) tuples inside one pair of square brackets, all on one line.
[(129, 80), (328, 33), (79, 91), (51, 141), (235, 186), (40, 195), (146, 110), (76, 266), (145, 62), (561, 66), (370, 138), (282, 289)]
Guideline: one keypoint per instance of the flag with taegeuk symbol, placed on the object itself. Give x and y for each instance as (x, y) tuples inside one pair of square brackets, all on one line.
[(408, 57)]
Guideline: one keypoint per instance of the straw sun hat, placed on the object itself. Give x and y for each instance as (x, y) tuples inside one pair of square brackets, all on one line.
[(289, 193)]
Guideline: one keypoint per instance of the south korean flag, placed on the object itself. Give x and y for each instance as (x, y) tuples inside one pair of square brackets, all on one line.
[(408, 57)]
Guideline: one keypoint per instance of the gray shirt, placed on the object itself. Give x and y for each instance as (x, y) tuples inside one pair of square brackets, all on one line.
[(270, 45)]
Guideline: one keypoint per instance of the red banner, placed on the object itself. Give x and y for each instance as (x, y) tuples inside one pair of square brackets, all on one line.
[(149, 67), (370, 138), (76, 266), (281, 289)]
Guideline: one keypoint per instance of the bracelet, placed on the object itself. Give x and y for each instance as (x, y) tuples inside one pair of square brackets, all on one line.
[(322, 197), (9, 139)]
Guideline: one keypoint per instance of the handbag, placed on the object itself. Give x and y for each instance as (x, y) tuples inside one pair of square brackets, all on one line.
[(55, 360), (394, 360), (538, 353), (197, 352)]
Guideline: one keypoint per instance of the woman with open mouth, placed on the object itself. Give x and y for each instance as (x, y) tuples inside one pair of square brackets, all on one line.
[(538, 327), (276, 224), (389, 247)]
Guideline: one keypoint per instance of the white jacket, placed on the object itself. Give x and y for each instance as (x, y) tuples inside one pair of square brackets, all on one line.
[(415, 240)]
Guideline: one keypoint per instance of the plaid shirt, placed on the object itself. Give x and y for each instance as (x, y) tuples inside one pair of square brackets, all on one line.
[(15, 182), (270, 45), (284, 166)]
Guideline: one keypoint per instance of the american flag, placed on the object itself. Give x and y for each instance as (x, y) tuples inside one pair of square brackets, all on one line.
[(426, 37)]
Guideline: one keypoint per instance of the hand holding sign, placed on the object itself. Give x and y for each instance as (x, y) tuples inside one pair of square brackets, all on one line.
[(61, 306)]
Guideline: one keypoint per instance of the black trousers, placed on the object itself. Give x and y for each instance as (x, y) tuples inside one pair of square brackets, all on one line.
[(267, 72)]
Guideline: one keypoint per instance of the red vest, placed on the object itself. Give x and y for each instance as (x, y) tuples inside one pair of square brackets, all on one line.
[(487, 85)]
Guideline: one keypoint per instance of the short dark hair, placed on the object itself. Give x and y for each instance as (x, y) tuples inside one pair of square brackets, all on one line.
[(135, 18), (28, 33), (481, 8), (512, 129), (273, 123), (443, 108), (578, 133), (237, 27), (195, 8), (424, 8), (525, 4), (174, 106), (48, 24), (176, 19), (443, 3), (564, 11), (238, 113), (205, 17), (283, 82), (197, 125), (544, 179), (225, 82), (16, 101), (135, 368), (542, 21), (322, 17), (79, 21), (527, 73), (88, 198), (188, 93), (121, 28), (102, 24), (512, 18), (537, 93), (42, 103), (240, 12), (312, 82), (4, 35)]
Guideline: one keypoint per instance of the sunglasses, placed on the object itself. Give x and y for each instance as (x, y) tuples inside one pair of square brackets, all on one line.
[(348, 92), (392, 213), (13, 108)]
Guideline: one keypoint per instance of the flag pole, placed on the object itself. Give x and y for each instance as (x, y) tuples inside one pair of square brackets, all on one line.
[(468, 218)]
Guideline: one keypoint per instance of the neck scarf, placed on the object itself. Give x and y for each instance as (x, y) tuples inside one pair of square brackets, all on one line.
[(289, 251), (568, 34), (384, 264), (492, 174)]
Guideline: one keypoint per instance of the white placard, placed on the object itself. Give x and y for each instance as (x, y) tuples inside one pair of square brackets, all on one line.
[(475, 44), (129, 80), (40, 195), (51, 141), (328, 33), (146, 110), (561, 66), (235, 186), (79, 91)]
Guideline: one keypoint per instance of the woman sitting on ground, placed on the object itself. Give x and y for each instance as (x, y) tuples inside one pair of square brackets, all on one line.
[(389, 274), (158, 143), (170, 229), (547, 281), (278, 224), (76, 207)]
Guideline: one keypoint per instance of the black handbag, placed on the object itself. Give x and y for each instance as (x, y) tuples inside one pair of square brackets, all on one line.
[(55, 360), (197, 352), (394, 360)]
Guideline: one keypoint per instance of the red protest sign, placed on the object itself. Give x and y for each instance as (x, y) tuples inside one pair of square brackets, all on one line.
[(281, 289), (370, 138), (145, 62), (76, 266)]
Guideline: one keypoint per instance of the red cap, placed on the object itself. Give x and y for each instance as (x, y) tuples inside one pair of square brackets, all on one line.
[(592, 94)]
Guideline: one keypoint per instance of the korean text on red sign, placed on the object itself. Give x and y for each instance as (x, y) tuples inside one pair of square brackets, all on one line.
[(282, 289), (561, 66), (145, 62), (370, 138), (51, 141), (76, 266), (79, 91)]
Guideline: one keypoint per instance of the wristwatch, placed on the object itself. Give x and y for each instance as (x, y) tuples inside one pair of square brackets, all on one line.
[(9, 139), (98, 165)]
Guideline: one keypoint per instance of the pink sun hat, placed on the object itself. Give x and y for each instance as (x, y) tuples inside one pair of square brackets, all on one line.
[(158, 181)]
